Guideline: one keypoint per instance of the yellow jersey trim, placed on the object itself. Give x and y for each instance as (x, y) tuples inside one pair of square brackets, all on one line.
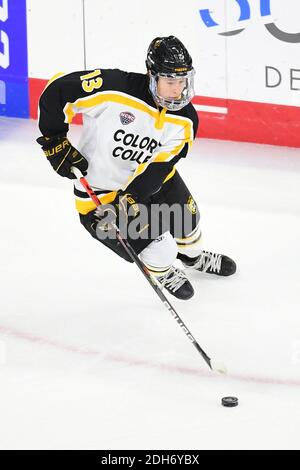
[(102, 97), (85, 206), (55, 77)]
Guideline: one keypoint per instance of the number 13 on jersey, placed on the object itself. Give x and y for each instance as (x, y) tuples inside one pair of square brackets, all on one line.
[(91, 81)]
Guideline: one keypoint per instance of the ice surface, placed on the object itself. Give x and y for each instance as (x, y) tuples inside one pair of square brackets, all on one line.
[(91, 359)]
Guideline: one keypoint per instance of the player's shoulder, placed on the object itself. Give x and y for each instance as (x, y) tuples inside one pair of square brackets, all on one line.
[(101, 79), (189, 112), (127, 82)]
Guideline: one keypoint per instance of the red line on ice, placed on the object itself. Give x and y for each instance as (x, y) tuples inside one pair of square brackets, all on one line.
[(8, 331)]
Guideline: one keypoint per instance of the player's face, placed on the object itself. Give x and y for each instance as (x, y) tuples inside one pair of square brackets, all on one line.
[(170, 88)]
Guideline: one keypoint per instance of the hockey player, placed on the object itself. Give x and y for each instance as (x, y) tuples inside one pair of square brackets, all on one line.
[(136, 127)]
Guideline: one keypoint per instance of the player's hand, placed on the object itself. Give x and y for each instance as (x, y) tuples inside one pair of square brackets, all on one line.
[(120, 212), (62, 155)]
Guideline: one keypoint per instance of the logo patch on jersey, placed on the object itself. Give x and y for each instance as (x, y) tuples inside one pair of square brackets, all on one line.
[(126, 117)]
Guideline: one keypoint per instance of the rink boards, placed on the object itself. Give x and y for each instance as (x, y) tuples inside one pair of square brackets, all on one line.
[(245, 53)]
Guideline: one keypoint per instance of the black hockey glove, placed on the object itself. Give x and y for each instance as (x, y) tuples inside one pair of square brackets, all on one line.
[(121, 212), (62, 155)]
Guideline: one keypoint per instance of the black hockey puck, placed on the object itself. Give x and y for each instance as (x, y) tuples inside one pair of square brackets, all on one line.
[(230, 402)]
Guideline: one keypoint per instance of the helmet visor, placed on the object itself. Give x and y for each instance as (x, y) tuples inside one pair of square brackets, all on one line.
[(172, 91)]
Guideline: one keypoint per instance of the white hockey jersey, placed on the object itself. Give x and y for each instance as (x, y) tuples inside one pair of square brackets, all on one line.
[(128, 141)]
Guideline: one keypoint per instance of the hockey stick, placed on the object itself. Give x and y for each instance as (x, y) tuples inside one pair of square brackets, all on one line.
[(214, 365)]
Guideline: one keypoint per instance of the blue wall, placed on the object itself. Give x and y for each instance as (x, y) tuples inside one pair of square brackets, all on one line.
[(14, 99)]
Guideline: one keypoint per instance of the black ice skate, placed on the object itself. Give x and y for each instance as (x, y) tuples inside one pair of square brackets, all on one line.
[(211, 263), (176, 282)]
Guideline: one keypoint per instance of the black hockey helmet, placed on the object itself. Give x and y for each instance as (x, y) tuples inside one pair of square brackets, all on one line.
[(168, 57)]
